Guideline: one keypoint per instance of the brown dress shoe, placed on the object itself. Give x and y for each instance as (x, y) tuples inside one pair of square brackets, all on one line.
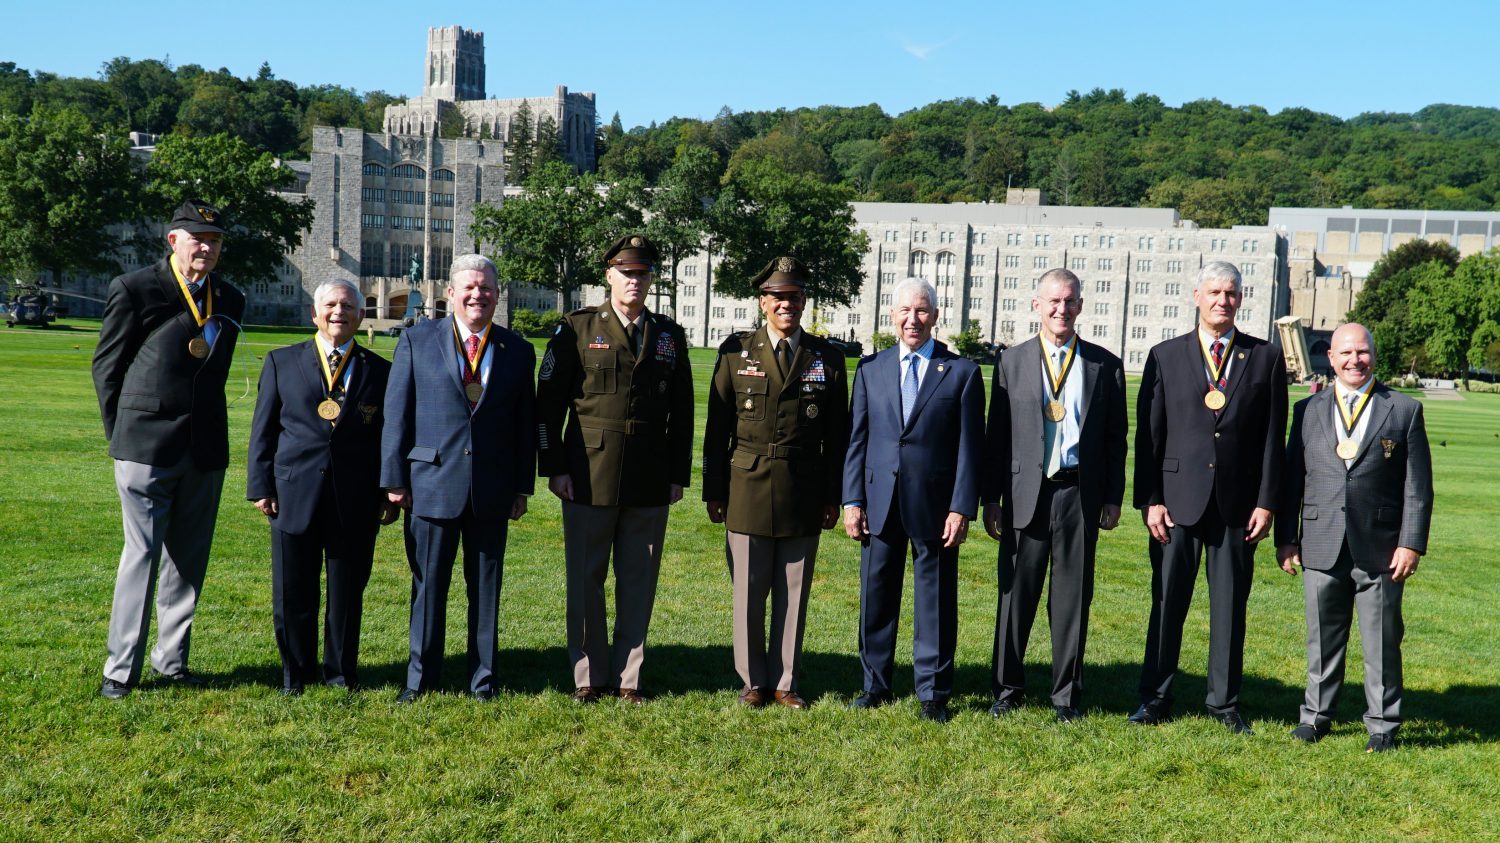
[(752, 698), (632, 696), (790, 699), (586, 694)]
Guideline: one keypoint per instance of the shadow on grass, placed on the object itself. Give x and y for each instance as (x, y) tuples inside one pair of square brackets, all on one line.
[(1457, 715)]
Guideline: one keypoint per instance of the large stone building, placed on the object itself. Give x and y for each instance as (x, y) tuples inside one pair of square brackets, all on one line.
[(455, 78)]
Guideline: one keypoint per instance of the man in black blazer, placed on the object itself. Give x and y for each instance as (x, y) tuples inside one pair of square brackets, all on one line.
[(911, 480), (1355, 511), (1056, 476), (1208, 460), (458, 452), (314, 472), (164, 352)]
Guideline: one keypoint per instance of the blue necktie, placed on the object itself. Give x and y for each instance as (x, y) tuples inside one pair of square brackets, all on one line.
[(909, 388)]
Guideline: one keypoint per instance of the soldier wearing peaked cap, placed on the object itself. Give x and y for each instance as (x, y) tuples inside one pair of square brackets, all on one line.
[(614, 439), (164, 351), (773, 457)]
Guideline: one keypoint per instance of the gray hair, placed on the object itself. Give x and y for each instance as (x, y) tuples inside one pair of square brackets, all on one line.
[(914, 286), (329, 286), (470, 263), (1065, 276), (1219, 271)]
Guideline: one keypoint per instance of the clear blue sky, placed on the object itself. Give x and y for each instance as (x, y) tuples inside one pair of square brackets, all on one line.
[(654, 60)]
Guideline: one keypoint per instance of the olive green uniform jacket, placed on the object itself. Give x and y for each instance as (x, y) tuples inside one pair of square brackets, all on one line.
[(774, 447), (629, 435)]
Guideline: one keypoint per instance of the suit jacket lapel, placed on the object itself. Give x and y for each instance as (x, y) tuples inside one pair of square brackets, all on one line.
[(937, 369), (356, 381), (1242, 356), (1090, 382), (1317, 414), (311, 369), (449, 351), (1379, 409)]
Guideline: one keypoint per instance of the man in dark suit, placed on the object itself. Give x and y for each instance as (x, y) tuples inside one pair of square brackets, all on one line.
[(1208, 461), (458, 453), (314, 471), (615, 442), (1359, 475), (1056, 477), (773, 461), (164, 352), (911, 478)]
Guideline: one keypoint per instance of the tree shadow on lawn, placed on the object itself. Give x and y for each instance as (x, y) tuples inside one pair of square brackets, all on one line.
[(1459, 714)]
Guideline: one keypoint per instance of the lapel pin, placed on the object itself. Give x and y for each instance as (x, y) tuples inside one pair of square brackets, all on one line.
[(1242, 355)]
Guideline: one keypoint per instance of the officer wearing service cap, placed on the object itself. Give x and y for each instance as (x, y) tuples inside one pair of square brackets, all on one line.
[(165, 347), (773, 457), (614, 440)]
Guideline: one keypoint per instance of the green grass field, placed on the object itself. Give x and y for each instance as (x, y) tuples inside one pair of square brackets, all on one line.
[(236, 761)]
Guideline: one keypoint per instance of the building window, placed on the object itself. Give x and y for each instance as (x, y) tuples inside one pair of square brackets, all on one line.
[(1146, 244), (1248, 269), (885, 299), (690, 271), (983, 238), (1143, 288), (1106, 241), (888, 277), (1080, 241), (919, 237), (1008, 327), (1174, 266), (442, 200), (853, 318), (976, 304), (408, 171), (1011, 283), (976, 282), (1137, 358), (1248, 292), (1139, 310), (372, 169), (976, 260), (892, 236), (1169, 311), (1101, 286), (690, 291), (1143, 266), (1137, 333), (1167, 333), (919, 264), (1039, 262), (1101, 331), (718, 313), (1248, 315), (1013, 239), (1041, 240), (1033, 326), (372, 194), (1078, 264), (885, 320), (373, 220), (1008, 305), (1012, 261), (1174, 288), (739, 314), (945, 237), (1101, 308), (689, 310), (1107, 264), (887, 257), (442, 175)]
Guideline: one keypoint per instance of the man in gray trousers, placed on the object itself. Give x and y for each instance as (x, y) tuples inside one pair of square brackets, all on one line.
[(164, 352), (1359, 473)]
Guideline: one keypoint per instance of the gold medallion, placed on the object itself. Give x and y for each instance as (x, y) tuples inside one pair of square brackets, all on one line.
[(1055, 411), (474, 391), (1214, 400), (198, 347), (328, 409), (812, 411), (1347, 449)]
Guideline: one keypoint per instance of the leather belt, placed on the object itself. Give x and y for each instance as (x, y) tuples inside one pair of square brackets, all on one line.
[(772, 450), (629, 427), (1064, 477)]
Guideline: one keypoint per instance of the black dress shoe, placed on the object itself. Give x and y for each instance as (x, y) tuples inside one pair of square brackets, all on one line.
[(587, 694), (870, 699), (1308, 733), (1067, 713), (1381, 742), (291, 690), (112, 690), (935, 711), (184, 678), (1234, 722), (1151, 714), (407, 696), (1004, 706), (484, 695)]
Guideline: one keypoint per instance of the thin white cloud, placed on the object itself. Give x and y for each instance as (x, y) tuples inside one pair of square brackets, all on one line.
[(922, 52)]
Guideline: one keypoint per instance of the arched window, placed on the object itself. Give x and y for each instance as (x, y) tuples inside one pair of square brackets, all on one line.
[(442, 175), (945, 266), (408, 171), (919, 267), (373, 169)]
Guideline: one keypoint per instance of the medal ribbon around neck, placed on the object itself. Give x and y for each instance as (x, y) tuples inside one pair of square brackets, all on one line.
[(1215, 373), (208, 295), (332, 377), (1056, 380), (484, 341), (1351, 420)]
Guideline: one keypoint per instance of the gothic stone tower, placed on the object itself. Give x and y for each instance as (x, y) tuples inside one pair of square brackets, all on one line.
[(455, 64)]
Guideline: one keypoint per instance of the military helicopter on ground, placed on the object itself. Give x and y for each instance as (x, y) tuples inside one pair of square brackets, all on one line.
[(30, 305)]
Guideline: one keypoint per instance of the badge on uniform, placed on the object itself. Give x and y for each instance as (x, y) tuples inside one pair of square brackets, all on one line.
[(749, 403), (367, 412), (1388, 447), (599, 343), (751, 372), (816, 371), (548, 364), (666, 350), (812, 411)]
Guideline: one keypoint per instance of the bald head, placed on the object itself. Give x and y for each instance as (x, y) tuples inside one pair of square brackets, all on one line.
[(1351, 353)]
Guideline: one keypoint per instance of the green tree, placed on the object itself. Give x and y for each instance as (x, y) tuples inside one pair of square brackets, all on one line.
[(148, 90), (881, 340), (520, 147), (1445, 308), (764, 211), (551, 235), (680, 208), (790, 153), (970, 340), (548, 144), (226, 172), (63, 184)]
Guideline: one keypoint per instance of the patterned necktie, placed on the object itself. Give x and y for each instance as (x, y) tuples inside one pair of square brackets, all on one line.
[(336, 391), (1218, 353), (471, 372), (784, 357), (909, 388)]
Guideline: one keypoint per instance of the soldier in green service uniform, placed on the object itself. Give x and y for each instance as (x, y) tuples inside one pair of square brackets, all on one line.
[(618, 461), (773, 461)]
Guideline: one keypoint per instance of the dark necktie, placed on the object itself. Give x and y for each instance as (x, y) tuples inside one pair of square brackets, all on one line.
[(336, 391), (471, 371), (633, 333), (784, 357)]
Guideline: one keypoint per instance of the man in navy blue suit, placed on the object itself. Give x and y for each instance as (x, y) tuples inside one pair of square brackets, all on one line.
[(314, 472), (911, 477), (458, 453)]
